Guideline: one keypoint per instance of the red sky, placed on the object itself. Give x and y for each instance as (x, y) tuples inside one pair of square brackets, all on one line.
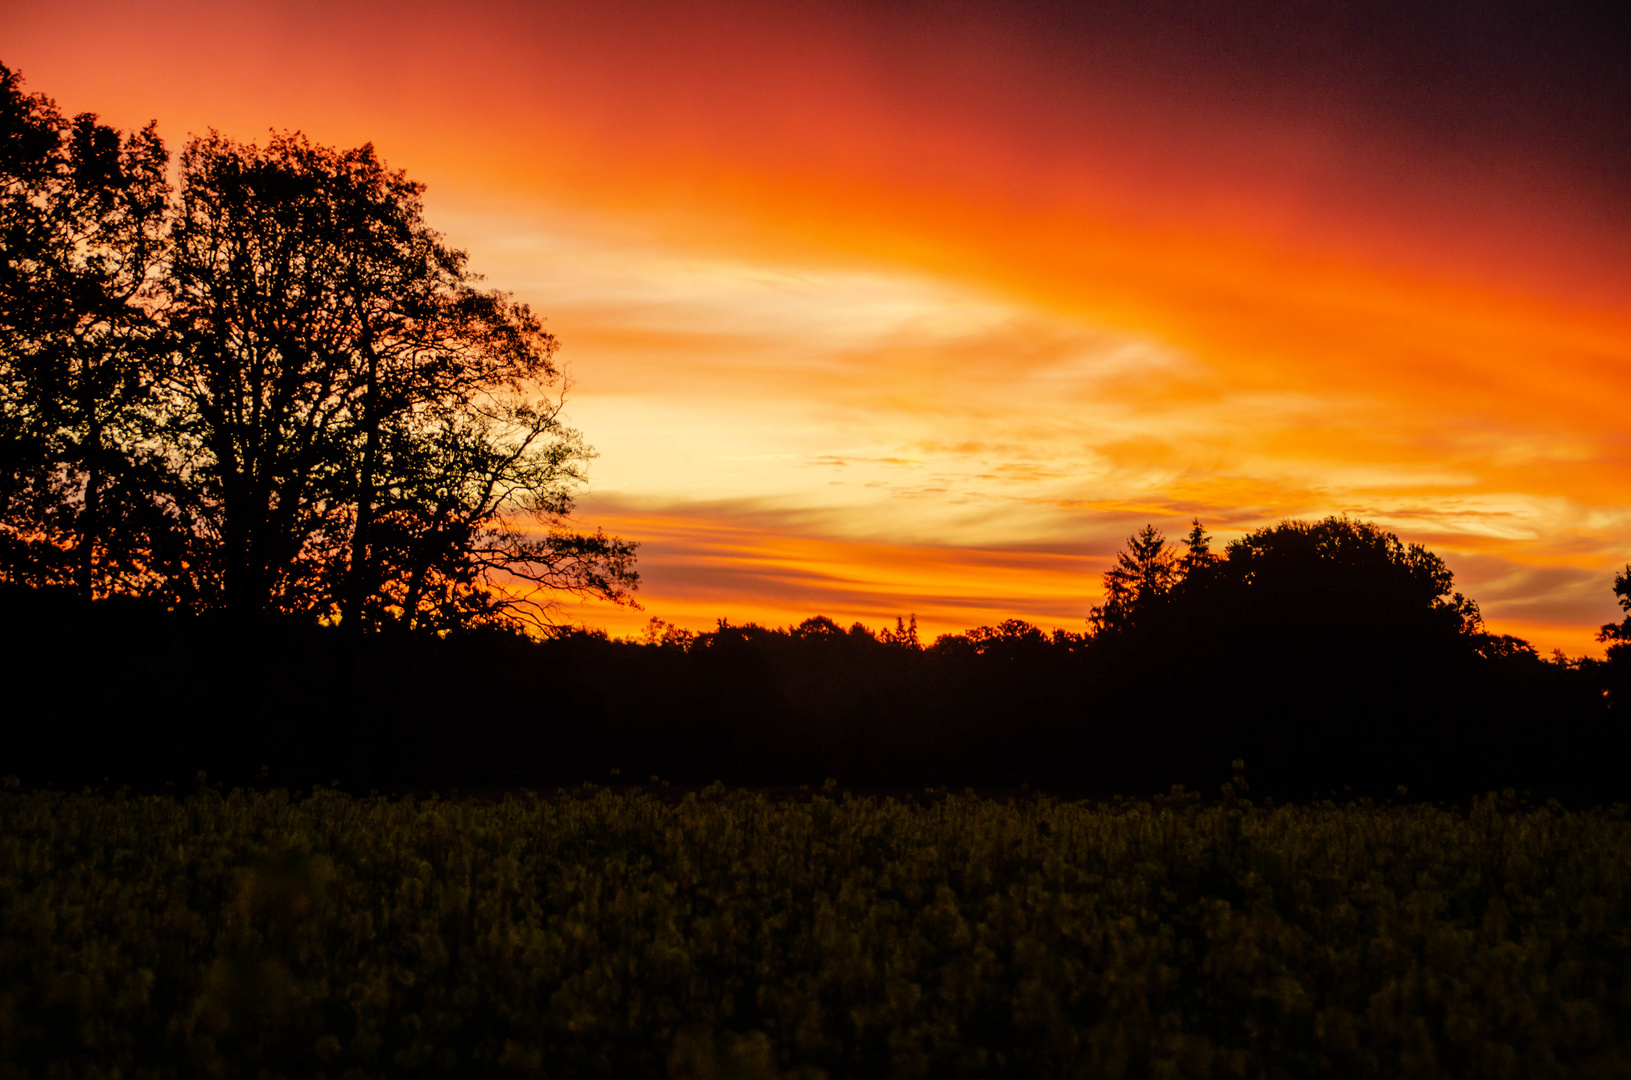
[(888, 308)]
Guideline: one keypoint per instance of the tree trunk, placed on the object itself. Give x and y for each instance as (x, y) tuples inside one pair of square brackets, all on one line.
[(359, 583), (89, 519)]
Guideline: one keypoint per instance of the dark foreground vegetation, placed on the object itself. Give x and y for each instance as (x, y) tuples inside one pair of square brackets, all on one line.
[(724, 933)]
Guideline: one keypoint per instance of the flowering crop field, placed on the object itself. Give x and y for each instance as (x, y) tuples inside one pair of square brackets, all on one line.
[(730, 933)]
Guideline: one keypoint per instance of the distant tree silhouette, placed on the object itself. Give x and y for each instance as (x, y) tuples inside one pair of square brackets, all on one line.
[(278, 392), (1340, 572), (1302, 584), (1313, 649), (1143, 573), (1197, 557), (817, 627), (1009, 640), (82, 211), (904, 635)]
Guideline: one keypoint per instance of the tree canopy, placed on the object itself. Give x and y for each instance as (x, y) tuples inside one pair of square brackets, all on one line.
[(272, 390), (1329, 575)]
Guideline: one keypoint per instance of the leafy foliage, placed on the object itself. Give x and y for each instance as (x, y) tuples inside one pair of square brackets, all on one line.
[(274, 391), (728, 933), (82, 212)]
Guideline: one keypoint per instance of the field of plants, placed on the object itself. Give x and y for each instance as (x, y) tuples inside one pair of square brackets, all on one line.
[(729, 933)]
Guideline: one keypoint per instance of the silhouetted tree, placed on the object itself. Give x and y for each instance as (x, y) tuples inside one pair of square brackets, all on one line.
[(280, 392), (361, 426), (1197, 557), (1010, 639), (815, 628), (82, 212), (1143, 573), (1316, 650), (904, 635), (1342, 572)]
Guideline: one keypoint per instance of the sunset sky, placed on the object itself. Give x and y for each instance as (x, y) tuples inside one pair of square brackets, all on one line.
[(877, 308)]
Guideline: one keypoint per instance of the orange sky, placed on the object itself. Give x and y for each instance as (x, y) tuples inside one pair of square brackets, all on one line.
[(876, 309)]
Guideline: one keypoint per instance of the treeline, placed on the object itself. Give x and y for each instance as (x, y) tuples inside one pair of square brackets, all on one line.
[(1328, 656)]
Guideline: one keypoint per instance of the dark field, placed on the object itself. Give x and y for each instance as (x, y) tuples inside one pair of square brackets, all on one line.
[(728, 933)]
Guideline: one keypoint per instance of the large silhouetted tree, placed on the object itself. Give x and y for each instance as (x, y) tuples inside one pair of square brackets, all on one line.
[(367, 435), (277, 392)]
